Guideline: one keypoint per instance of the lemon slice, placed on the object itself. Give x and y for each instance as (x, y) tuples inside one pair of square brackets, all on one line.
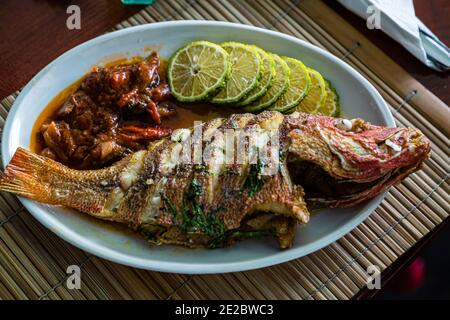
[(299, 84), (279, 86), (316, 95), (331, 106), (197, 71), (265, 82), (245, 73)]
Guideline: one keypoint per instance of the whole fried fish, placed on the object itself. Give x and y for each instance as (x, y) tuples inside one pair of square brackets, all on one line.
[(169, 196)]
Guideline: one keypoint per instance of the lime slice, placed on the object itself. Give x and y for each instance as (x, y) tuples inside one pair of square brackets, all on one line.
[(265, 82), (279, 86), (331, 106), (316, 95), (299, 84), (197, 71), (245, 73)]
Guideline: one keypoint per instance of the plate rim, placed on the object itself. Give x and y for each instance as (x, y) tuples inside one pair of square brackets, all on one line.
[(69, 235)]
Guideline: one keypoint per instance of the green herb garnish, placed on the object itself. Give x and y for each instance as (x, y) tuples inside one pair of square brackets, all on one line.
[(254, 181), (193, 215), (195, 218)]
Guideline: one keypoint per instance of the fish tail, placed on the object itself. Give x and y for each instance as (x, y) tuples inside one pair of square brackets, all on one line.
[(45, 180), (23, 176)]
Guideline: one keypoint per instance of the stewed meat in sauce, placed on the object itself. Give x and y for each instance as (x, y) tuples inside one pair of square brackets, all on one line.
[(115, 111)]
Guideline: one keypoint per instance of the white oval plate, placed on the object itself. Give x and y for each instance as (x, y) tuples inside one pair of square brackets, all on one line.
[(358, 98)]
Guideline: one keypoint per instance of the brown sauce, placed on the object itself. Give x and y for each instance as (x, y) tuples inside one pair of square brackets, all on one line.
[(188, 113), (184, 117), (37, 143)]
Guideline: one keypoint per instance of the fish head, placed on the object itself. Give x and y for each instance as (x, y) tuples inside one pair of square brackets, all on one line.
[(343, 162)]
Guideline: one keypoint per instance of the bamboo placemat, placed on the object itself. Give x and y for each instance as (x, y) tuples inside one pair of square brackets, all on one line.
[(33, 261)]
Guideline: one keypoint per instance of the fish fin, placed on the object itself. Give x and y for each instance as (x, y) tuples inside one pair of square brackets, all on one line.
[(22, 176), (45, 180)]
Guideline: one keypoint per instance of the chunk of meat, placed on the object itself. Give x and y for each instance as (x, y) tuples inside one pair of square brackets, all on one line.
[(59, 139), (166, 109), (128, 98), (147, 69), (47, 152), (123, 85), (119, 78), (92, 128), (160, 93), (80, 126), (102, 152), (79, 100)]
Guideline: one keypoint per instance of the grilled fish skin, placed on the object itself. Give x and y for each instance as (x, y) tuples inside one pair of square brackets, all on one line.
[(216, 203)]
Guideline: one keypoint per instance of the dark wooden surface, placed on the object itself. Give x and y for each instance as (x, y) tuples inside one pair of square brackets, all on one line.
[(33, 33), (435, 14)]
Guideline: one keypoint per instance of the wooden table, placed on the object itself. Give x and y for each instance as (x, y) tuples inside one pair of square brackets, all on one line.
[(33, 33)]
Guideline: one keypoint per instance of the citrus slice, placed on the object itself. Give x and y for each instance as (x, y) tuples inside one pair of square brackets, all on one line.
[(316, 95), (245, 73), (279, 86), (299, 84), (331, 106), (197, 71), (265, 82)]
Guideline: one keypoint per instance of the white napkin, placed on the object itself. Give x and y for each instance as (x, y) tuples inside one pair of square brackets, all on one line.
[(398, 20)]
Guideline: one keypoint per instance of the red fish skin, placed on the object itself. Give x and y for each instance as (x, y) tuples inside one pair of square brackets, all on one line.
[(374, 159), (357, 151)]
